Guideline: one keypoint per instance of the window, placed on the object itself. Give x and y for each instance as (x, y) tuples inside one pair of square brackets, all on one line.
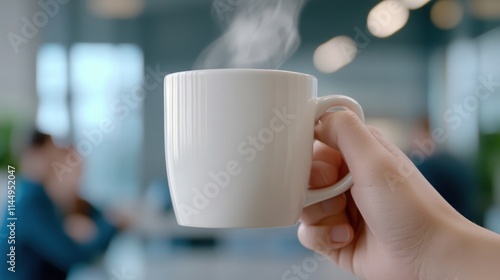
[(52, 88), (103, 120)]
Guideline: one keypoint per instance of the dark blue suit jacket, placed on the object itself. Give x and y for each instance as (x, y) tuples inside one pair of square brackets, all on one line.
[(43, 249)]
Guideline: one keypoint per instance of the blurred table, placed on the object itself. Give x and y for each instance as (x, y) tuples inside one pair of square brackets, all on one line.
[(146, 251)]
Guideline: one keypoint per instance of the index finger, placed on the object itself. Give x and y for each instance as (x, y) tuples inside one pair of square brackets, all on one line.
[(360, 149)]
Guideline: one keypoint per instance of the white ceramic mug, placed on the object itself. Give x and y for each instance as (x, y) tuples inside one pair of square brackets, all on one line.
[(239, 146)]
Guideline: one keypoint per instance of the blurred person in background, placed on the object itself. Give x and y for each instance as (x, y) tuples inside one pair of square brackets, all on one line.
[(55, 228), (447, 174)]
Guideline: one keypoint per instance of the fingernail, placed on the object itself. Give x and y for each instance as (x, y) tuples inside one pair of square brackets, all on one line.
[(340, 234)]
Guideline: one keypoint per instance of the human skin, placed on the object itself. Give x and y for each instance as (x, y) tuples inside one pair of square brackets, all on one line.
[(392, 224)]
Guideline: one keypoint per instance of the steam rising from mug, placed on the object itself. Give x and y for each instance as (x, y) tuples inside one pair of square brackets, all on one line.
[(258, 34)]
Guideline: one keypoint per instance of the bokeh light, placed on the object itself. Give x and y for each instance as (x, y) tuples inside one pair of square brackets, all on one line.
[(485, 9), (387, 17), (447, 14), (334, 54), (414, 4), (116, 8)]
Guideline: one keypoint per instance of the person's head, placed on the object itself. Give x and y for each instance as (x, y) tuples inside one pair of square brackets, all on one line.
[(40, 162), (37, 155)]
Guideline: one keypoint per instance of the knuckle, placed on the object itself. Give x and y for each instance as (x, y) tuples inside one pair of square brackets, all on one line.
[(381, 164), (374, 130)]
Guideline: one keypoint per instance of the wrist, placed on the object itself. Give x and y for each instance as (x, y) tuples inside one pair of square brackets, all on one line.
[(461, 251)]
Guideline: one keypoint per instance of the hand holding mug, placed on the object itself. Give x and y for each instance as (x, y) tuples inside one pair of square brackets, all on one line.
[(392, 224)]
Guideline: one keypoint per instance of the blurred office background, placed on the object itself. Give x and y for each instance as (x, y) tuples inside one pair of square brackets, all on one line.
[(70, 66)]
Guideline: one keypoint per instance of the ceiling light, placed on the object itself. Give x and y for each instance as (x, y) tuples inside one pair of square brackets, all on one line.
[(121, 9)]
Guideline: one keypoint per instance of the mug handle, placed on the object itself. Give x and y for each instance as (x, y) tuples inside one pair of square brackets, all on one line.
[(322, 106)]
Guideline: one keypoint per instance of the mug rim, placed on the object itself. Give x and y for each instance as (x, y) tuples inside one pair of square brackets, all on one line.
[(248, 70)]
